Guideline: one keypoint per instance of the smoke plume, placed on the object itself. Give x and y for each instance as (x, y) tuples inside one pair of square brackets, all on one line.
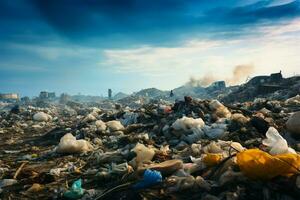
[(203, 81), (239, 74)]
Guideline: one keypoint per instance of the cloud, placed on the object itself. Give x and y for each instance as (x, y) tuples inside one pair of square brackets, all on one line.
[(119, 23), (158, 60), (270, 50), (21, 68), (53, 52)]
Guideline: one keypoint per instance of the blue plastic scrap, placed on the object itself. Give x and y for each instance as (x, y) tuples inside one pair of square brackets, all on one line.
[(76, 190), (150, 178)]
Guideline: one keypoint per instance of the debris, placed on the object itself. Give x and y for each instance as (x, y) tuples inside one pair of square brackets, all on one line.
[(187, 123), (69, 144), (293, 100), (114, 126), (101, 126), (220, 110), (143, 154), (7, 182), (76, 190), (35, 188), (42, 117), (212, 159), (276, 143), (167, 167), (19, 170), (89, 118), (257, 164), (293, 124), (150, 147), (150, 178)]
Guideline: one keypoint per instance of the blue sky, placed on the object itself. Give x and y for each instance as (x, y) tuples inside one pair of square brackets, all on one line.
[(88, 46)]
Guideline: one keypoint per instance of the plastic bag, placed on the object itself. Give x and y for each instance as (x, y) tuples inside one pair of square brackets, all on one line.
[(143, 153), (76, 190), (150, 178), (276, 143), (257, 164), (69, 144), (188, 123), (212, 159)]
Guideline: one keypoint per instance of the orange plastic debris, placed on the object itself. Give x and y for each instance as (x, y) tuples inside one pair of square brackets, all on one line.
[(257, 164), (212, 159)]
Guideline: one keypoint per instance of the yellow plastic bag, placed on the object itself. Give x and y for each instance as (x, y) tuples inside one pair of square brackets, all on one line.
[(212, 159), (257, 164)]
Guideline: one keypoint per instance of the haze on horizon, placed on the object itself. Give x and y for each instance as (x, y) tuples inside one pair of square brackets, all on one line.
[(88, 46)]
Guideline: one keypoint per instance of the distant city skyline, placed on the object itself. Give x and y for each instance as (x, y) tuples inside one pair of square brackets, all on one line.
[(88, 46)]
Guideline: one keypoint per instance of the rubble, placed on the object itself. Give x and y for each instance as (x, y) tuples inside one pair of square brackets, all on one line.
[(137, 148), (42, 117), (69, 144), (293, 124)]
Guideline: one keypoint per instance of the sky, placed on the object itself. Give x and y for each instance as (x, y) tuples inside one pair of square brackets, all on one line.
[(88, 46)]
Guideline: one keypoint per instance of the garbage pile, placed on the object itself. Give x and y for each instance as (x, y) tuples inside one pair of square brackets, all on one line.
[(190, 149), (273, 87)]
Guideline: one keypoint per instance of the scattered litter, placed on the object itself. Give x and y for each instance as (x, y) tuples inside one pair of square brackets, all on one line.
[(69, 144), (257, 164), (150, 178), (186, 124), (114, 126), (140, 147), (76, 190), (276, 143), (42, 117), (293, 124)]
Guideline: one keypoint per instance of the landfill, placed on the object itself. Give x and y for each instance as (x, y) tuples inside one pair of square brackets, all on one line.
[(141, 148)]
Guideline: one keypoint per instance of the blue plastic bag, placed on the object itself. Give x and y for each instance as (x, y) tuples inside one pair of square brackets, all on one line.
[(76, 190), (150, 178)]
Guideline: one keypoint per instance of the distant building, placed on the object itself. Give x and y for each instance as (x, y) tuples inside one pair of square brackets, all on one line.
[(51, 95), (47, 95), (260, 80), (109, 94), (25, 99), (43, 95), (64, 98), (276, 77), (9, 97)]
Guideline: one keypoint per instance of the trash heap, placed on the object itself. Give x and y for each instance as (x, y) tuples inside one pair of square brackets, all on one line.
[(190, 149)]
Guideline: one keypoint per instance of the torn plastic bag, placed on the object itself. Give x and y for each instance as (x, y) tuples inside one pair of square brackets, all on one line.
[(257, 164), (212, 159), (150, 178), (76, 191), (276, 143)]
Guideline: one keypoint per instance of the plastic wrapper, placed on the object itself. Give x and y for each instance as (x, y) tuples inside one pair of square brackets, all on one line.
[(276, 143), (257, 164), (76, 191), (150, 178), (69, 144)]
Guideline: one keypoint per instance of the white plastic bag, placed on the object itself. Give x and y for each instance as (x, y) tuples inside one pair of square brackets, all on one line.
[(276, 143), (69, 144), (114, 126), (187, 123)]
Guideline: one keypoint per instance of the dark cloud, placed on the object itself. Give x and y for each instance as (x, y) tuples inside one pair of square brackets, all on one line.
[(254, 13), (123, 22)]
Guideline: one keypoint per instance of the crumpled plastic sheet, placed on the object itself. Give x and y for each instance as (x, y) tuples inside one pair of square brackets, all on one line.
[(257, 164)]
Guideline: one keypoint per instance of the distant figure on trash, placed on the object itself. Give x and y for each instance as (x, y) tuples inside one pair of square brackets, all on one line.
[(171, 93)]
